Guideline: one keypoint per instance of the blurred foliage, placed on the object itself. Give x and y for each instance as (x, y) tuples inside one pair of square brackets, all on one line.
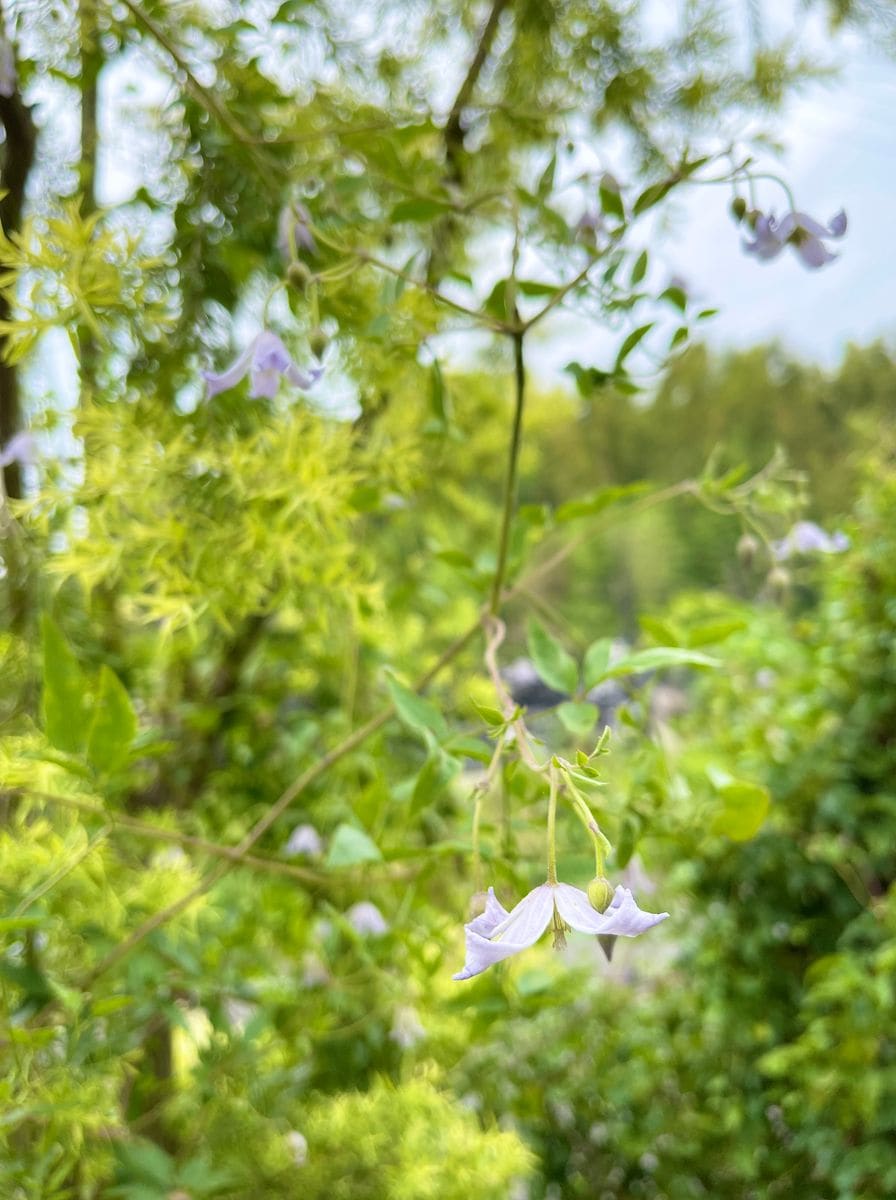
[(211, 603)]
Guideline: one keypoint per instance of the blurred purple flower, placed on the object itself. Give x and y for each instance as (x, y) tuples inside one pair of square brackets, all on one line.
[(21, 448), (798, 230), (293, 231), (497, 934), (366, 919), (406, 1029), (304, 839), (264, 360), (808, 538), (8, 77)]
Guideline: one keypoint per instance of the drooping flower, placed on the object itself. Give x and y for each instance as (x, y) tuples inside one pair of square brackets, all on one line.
[(294, 230), (264, 360), (799, 231), (808, 538), (406, 1029), (20, 448), (304, 839), (497, 934), (366, 919)]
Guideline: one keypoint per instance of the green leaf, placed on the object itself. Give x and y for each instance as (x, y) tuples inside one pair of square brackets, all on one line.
[(351, 846), (639, 270), (66, 708), (590, 506), (536, 287), (493, 717), (653, 195), (555, 666), (597, 660), (658, 657), (710, 632), (114, 724), (588, 379), (147, 1163), (418, 209), (416, 713), (744, 808), (435, 775), (578, 717), (631, 341), (439, 400), (611, 200), (675, 296)]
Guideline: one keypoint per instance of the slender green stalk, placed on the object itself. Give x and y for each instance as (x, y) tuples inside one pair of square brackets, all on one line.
[(552, 829), (510, 482)]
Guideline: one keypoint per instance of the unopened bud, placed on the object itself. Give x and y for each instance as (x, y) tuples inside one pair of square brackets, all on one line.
[(747, 549), (318, 341), (298, 275), (600, 893), (778, 582), (738, 208)]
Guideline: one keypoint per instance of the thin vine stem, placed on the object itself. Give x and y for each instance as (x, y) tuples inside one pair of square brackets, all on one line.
[(510, 482)]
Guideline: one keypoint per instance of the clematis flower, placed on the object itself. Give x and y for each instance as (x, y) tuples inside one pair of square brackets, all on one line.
[(20, 448), (798, 230), (8, 77), (304, 839), (366, 919), (498, 934), (264, 360), (808, 538), (293, 230)]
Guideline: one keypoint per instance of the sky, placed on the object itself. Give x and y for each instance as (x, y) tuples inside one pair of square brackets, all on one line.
[(840, 152)]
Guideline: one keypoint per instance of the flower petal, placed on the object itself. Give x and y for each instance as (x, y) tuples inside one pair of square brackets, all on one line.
[(837, 224), (495, 912), (622, 917), (269, 353), (264, 384), (521, 928), (303, 379), (231, 376), (813, 253)]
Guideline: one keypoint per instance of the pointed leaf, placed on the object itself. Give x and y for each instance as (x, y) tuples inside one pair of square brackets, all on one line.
[(555, 666), (578, 717), (597, 661), (351, 846), (65, 701), (114, 724), (744, 809), (658, 657)]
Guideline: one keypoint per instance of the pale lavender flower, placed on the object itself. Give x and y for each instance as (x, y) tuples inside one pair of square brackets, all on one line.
[(808, 538), (8, 77), (293, 231), (298, 1147), (366, 919), (264, 360), (406, 1029), (304, 839), (21, 448), (799, 231), (497, 934)]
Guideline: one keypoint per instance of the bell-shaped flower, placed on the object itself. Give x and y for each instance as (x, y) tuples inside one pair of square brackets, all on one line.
[(304, 839), (265, 360), (365, 918), (294, 231), (497, 934), (799, 231), (808, 538)]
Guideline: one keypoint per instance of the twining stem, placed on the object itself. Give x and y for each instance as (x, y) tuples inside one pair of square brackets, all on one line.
[(552, 828), (510, 483), (292, 793)]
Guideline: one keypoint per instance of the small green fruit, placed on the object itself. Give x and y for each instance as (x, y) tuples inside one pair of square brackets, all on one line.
[(600, 893)]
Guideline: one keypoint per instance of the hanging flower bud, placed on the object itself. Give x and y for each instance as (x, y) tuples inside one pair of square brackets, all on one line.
[(600, 893), (318, 341), (298, 275), (778, 583), (738, 208), (747, 550)]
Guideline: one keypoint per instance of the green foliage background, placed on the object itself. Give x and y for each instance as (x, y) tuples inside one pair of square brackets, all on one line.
[(221, 618)]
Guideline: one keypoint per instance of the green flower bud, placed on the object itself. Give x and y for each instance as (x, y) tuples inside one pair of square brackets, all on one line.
[(738, 208), (600, 893), (747, 550), (298, 275), (778, 583), (318, 341)]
